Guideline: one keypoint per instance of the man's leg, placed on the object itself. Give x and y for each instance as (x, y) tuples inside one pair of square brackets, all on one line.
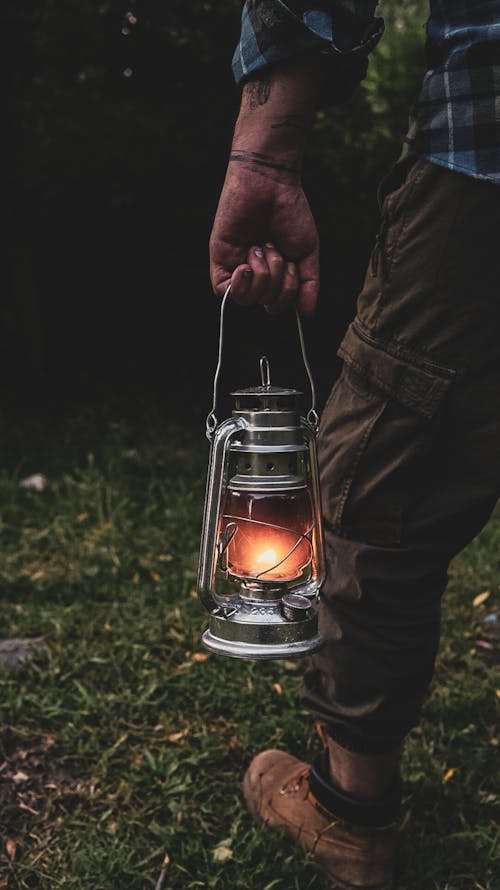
[(409, 452), (410, 473)]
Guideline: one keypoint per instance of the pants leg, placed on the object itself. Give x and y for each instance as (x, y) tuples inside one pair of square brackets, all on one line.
[(409, 452)]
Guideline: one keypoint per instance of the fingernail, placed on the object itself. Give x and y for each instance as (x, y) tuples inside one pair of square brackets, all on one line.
[(259, 252), (247, 273), (268, 244), (290, 268)]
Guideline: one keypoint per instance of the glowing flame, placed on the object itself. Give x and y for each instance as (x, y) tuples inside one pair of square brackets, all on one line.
[(268, 557), (267, 536)]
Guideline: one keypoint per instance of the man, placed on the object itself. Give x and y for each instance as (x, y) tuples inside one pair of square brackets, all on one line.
[(409, 439)]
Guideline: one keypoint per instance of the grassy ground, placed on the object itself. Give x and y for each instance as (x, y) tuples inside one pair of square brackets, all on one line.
[(125, 743)]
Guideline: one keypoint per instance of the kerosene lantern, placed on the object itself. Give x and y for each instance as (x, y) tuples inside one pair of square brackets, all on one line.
[(261, 557)]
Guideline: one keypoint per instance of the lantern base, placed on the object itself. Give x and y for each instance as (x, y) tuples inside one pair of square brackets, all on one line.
[(271, 638)]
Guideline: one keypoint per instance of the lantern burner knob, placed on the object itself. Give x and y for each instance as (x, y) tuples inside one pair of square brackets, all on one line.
[(295, 606)]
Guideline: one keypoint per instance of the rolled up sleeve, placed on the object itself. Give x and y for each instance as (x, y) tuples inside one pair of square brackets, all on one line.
[(345, 31)]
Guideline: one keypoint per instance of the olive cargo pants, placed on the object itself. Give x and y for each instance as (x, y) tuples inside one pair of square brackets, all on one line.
[(409, 451)]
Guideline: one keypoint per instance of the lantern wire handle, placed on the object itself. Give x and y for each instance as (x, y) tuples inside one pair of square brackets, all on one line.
[(211, 421), (312, 414)]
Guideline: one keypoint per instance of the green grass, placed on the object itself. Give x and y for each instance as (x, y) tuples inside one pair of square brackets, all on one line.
[(125, 743)]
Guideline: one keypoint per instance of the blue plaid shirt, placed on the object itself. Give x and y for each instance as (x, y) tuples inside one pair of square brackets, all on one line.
[(455, 122)]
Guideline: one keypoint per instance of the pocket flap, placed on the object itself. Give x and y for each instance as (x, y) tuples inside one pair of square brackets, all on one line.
[(396, 370)]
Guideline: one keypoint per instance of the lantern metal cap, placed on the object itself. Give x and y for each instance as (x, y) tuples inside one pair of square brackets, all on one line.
[(266, 391)]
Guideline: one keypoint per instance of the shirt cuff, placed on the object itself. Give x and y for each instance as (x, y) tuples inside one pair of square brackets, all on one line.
[(272, 33)]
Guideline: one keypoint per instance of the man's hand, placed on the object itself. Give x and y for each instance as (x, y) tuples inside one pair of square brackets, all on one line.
[(264, 240)]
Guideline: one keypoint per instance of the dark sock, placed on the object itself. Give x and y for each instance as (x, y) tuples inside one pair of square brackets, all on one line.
[(365, 813)]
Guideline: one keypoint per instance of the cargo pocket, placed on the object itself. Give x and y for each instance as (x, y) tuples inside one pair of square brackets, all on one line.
[(377, 432)]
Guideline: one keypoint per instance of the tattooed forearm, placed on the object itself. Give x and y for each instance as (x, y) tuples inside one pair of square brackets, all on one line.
[(294, 121), (261, 160), (257, 92)]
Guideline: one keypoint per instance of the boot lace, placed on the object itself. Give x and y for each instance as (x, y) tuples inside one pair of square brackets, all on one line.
[(295, 782)]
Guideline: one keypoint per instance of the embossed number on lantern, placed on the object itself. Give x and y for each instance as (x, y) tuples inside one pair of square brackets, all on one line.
[(269, 535)]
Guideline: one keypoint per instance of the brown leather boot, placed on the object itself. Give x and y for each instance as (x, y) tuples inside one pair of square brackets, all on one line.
[(283, 792)]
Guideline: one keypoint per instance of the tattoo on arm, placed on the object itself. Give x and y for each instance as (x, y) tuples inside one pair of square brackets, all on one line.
[(257, 92), (261, 160), (294, 121)]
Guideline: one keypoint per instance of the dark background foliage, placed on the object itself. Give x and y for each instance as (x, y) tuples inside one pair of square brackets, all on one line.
[(119, 119)]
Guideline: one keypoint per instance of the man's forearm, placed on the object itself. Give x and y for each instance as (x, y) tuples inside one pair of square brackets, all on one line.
[(275, 117), (264, 241)]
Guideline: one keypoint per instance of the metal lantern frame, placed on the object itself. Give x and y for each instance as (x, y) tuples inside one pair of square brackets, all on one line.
[(253, 451)]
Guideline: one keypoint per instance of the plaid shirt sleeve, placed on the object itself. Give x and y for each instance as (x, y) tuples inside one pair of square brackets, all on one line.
[(344, 30)]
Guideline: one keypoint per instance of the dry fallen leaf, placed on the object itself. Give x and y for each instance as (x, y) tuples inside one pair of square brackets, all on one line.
[(11, 847), (277, 688), (200, 656), (123, 738), (221, 853), (36, 482), (497, 693), (480, 598), (177, 736), (165, 557), (19, 777), (163, 873), (484, 644), (24, 806), (449, 775), (155, 576), (38, 575)]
